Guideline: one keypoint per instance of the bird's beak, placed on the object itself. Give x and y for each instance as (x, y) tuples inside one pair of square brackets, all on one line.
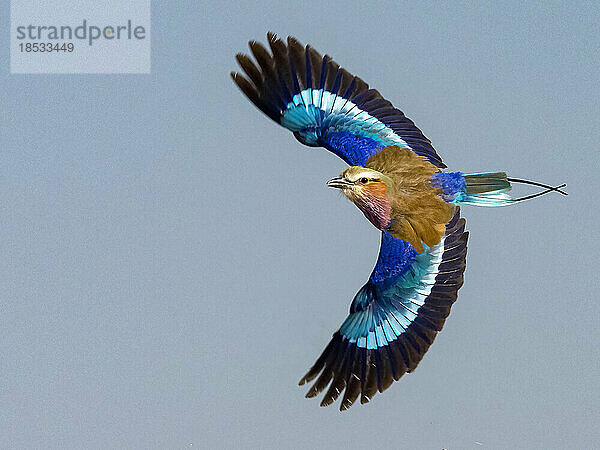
[(338, 182)]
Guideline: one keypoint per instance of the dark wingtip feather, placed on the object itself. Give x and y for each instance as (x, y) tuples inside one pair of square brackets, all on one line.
[(246, 87), (311, 374), (370, 385), (320, 363), (351, 393), (248, 66)]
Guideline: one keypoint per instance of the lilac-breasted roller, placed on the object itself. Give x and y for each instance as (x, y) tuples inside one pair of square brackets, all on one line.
[(395, 179)]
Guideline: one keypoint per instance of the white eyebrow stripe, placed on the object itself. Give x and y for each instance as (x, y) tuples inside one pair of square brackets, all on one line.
[(367, 173)]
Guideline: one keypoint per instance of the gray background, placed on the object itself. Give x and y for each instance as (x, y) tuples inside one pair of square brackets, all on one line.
[(172, 261)]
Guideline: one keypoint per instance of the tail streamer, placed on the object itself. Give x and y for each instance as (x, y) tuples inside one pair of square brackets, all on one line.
[(535, 183)]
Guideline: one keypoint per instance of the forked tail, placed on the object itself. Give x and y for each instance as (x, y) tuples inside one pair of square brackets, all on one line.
[(491, 189)]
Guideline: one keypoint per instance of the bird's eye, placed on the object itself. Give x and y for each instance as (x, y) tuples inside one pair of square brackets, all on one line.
[(364, 180)]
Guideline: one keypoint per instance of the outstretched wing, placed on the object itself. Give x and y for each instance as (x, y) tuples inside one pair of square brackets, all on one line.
[(394, 318), (324, 105)]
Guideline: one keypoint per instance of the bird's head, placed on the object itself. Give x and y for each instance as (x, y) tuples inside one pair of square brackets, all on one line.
[(368, 189)]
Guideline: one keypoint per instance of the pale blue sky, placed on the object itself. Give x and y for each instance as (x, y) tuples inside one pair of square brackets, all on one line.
[(171, 258)]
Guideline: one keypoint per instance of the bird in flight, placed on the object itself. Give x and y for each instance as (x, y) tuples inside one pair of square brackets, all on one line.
[(395, 178)]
